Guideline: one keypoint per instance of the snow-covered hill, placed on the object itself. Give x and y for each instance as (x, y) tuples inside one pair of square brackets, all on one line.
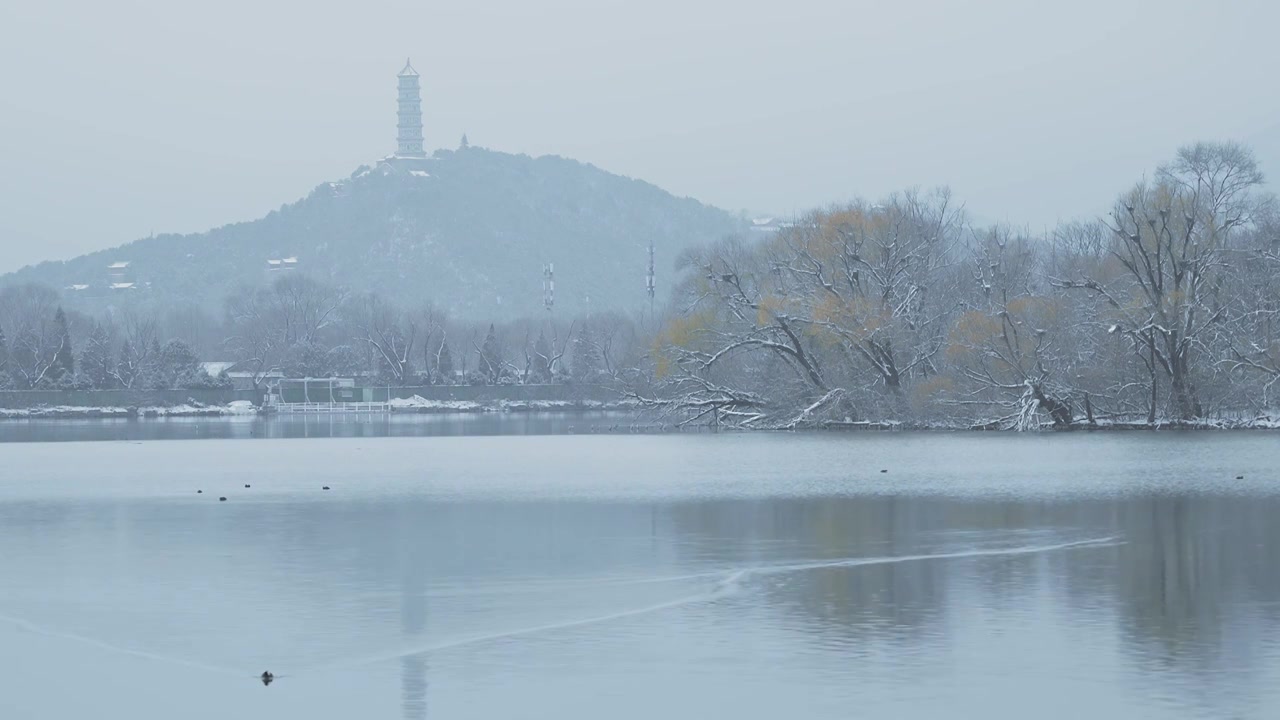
[(468, 230)]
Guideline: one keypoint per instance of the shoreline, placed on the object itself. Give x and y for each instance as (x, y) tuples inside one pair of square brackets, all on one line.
[(417, 406), (248, 410)]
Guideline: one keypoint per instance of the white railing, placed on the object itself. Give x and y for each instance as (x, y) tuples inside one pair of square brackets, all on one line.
[(285, 408)]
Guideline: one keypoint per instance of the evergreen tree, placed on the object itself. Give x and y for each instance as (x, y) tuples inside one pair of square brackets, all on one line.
[(95, 359), (587, 362), (175, 366), (64, 364), (464, 144), (344, 360), (491, 357), (151, 374), (444, 364), (307, 358)]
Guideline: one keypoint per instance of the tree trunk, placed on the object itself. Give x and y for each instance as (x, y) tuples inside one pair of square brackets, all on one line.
[(1058, 410), (1151, 367), (1184, 393)]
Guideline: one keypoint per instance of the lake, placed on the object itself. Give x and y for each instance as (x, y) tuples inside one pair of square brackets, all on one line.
[(503, 573)]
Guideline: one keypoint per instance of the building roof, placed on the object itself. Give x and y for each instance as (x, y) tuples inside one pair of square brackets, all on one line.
[(212, 369), (118, 265), (408, 70)]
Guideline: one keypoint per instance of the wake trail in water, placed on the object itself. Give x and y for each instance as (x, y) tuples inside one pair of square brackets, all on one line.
[(730, 584), (102, 645), (959, 554)]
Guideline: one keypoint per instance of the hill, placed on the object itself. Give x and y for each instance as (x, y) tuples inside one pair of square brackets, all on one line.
[(468, 230)]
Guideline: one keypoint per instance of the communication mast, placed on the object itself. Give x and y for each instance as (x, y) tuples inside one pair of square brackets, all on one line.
[(649, 283), (548, 286)]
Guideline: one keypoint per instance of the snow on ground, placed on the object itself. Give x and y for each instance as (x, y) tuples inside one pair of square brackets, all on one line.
[(418, 403), (239, 407), (415, 404)]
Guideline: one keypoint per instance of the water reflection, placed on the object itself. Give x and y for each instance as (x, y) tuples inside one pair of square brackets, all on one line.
[(413, 621), (335, 425), (1192, 586), (1182, 614)]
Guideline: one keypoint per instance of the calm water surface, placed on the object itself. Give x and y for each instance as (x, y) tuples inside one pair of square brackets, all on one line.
[(641, 576)]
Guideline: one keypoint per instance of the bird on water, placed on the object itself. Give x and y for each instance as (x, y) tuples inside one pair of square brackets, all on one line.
[(267, 677)]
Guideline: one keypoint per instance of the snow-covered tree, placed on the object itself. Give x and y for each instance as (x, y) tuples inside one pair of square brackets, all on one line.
[(28, 313), (306, 358), (490, 362), (5, 381), (1007, 348), (343, 360), (389, 333), (587, 362), (96, 364), (1171, 239), (444, 370), (540, 370), (64, 365), (140, 338)]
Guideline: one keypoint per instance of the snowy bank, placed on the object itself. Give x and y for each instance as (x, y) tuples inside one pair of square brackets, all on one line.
[(238, 407), (1265, 422), (419, 404)]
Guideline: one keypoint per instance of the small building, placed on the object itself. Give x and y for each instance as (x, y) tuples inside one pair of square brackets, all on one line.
[(321, 390), (244, 380), (215, 368), (770, 224), (118, 273), (275, 266)]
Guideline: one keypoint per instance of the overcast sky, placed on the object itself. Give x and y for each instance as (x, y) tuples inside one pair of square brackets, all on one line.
[(123, 118)]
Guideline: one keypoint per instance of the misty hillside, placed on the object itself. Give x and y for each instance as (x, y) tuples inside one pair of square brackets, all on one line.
[(469, 230)]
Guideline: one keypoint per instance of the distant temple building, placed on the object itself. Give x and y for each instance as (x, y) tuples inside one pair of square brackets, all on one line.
[(409, 159), (409, 125)]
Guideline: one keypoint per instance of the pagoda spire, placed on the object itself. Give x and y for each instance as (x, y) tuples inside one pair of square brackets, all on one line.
[(409, 113)]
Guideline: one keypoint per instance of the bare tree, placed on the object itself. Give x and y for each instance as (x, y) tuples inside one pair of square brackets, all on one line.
[(1009, 343), (389, 333), (845, 300), (1170, 240), (303, 306), (868, 275), (256, 339), (27, 314), (265, 324), (1254, 337)]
